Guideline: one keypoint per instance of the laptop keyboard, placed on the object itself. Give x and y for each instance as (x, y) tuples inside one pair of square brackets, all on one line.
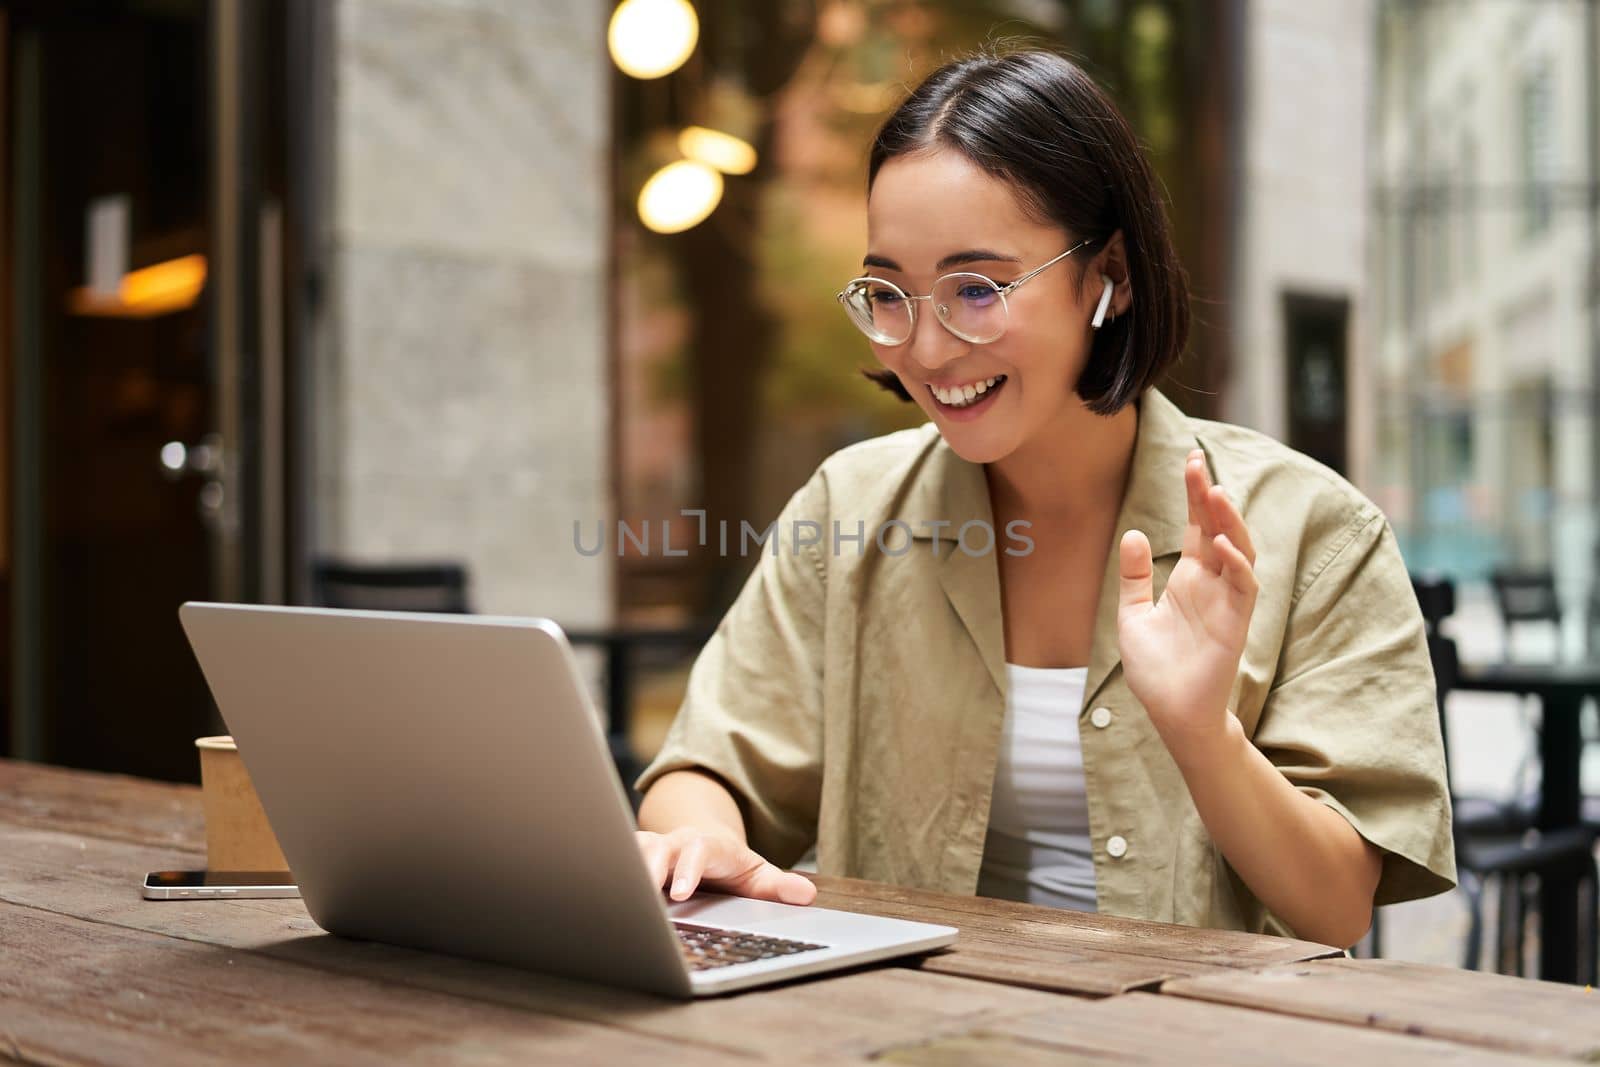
[(705, 947)]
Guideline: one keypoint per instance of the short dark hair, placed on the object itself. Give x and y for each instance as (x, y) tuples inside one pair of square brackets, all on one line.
[(1037, 120)]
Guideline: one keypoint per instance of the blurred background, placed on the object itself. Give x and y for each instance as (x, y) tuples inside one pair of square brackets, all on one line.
[(495, 305)]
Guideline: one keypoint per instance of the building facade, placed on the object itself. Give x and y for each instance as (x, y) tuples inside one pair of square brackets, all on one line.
[(1300, 289), (1485, 224)]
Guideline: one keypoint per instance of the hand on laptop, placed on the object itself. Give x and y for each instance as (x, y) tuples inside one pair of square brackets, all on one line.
[(693, 858)]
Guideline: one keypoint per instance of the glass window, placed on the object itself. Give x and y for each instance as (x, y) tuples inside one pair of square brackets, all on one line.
[(1538, 134), (1440, 254), (1464, 207)]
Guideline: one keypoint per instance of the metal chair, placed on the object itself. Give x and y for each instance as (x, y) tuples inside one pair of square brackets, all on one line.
[(1530, 596), (440, 587), (1493, 839), (1592, 634), (1591, 804), (1488, 849), (1436, 596), (1525, 596)]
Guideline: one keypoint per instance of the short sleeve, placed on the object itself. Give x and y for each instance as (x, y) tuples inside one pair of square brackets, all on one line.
[(1352, 718), (752, 712)]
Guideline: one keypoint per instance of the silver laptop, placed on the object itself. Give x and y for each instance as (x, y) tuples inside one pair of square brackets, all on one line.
[(443, 782)]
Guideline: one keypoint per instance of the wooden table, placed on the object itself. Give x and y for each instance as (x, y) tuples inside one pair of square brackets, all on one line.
[(91, 973), (1561, 689)]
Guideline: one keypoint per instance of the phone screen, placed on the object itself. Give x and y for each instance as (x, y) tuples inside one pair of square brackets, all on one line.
[(216, 879)]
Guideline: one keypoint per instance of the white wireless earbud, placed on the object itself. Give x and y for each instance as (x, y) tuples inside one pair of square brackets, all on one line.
[(1105, 302)]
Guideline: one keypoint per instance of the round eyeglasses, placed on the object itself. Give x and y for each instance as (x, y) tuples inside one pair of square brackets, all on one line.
[(970, 306)]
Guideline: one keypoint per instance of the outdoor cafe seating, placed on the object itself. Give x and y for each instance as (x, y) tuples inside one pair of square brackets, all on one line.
[(1496, 844)]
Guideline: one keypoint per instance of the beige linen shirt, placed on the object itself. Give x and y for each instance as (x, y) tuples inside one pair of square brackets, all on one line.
[(854, 694)]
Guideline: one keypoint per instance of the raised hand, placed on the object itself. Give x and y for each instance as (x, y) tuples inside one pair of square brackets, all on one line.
[(1180, 656)]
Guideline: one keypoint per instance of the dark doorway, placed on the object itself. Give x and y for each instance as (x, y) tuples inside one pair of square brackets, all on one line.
[(1316, 331), (133, 455)]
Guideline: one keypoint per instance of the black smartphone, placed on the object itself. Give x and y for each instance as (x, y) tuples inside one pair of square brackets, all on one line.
[(218, 885)]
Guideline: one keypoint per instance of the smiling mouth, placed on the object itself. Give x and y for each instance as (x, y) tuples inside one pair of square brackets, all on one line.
[(967, 395)]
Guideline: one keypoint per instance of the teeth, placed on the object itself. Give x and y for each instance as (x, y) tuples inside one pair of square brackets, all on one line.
[(963, 395)]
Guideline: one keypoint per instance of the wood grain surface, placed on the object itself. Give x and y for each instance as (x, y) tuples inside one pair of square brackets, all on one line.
[(90, 973), (1491, 1010)]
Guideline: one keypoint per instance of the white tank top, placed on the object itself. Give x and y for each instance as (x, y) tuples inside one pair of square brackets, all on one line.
[(1037, 849)]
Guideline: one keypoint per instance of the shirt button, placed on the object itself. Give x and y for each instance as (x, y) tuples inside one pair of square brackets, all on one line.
[(1101, 717), (1117, 847)]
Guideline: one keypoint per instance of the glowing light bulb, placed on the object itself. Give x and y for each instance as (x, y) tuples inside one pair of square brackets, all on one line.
[(679, 196), (160, 289), (652, 38), (717, 149)]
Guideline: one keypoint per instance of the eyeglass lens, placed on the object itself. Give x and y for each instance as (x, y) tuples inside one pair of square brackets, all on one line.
[(970, 305)]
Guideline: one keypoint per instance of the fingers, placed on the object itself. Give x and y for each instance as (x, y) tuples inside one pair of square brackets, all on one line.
[(1194, 484), (679, 856), (1236, 567), (1202, 523), (1228, 521), (1197, 480), (773, 883), (1214, 513), (1136, 588), (689, 860), (797, 889), (691, 865)]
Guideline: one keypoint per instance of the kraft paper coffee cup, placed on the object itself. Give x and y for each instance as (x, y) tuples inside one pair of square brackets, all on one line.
[(238, 836)]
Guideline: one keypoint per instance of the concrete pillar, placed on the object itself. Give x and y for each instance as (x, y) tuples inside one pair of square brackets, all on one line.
[(461, 393)]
